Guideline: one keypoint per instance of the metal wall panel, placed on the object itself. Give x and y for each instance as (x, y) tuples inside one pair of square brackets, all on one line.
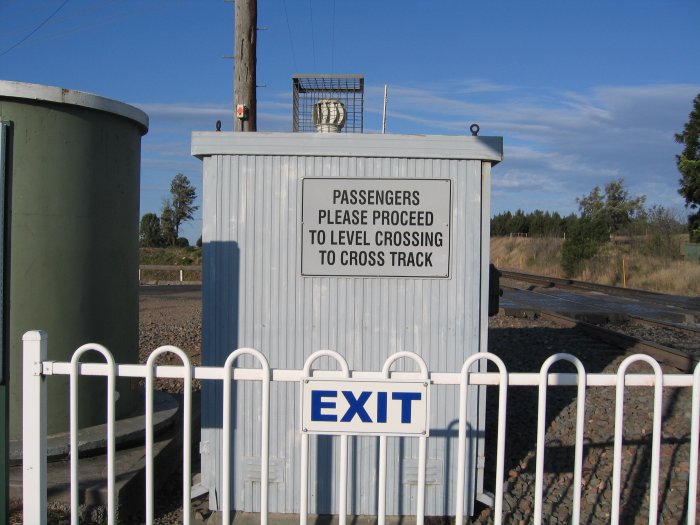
[(254, 296)]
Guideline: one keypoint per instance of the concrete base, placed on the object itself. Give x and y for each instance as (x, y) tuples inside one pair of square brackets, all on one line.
[(93, 440), (130, 466), (129, 478)]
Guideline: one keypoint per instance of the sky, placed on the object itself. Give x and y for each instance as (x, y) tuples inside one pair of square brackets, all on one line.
[(582, 92)]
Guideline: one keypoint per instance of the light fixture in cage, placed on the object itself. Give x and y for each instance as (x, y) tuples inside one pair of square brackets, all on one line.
[(330, 103)]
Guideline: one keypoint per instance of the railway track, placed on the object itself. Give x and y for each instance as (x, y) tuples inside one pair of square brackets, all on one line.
[(686, 303), (676, 344)]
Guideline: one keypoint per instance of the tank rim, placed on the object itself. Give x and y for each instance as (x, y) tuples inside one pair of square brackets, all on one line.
[(44, 93)]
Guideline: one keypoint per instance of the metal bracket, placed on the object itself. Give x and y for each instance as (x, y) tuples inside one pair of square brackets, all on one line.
[(487, 498), (44, 369)]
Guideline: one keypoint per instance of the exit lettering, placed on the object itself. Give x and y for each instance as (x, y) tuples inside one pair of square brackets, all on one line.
[(323, 406), (385, 407)]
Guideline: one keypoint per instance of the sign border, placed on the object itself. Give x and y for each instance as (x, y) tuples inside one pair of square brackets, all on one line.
[(338, 381), (368, 276)]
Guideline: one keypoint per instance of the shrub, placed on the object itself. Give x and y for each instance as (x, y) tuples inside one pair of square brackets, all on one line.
[(582, 242)]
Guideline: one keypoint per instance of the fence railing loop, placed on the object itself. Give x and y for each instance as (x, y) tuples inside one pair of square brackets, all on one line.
[(265, 434), (74, 453), (186, 432), (462, 440), (386, 369), (422, 447), (541, 430), (656, 437), (343, 467), (326, 353)]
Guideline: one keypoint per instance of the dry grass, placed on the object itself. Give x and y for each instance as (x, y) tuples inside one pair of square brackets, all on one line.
[(536, 255), (189, 256), (678, 277), (667, 273)]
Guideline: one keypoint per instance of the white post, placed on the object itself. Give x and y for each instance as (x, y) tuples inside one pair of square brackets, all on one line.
[(181, 275), (384, 110), (34, 427), (694, 439)]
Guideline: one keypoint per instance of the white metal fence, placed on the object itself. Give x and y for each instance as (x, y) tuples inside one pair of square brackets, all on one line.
[(155, 272), (36, 369)]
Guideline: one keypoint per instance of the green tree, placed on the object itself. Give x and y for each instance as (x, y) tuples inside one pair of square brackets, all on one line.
[(688, 163), (150, 234), (536, 223), (659, 232), (499, 223), (583, 239), (181, 203), (518, 223), (591, 205), (614, 207), (568, 222), (694, 227), (167, 224)]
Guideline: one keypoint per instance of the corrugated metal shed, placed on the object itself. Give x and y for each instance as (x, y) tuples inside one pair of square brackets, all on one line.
[(254, 295)]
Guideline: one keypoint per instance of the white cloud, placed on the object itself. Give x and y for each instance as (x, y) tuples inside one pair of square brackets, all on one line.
[(558, 145)]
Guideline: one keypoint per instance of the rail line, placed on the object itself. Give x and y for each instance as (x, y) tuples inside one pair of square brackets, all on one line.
[(612, 332), (656, 323), (686, 303), (679, 359)]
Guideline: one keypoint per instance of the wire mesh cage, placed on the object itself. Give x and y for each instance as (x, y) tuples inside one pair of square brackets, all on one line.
[(324, 92)]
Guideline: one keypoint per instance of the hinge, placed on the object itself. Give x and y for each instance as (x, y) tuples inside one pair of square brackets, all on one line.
[(44, 369)]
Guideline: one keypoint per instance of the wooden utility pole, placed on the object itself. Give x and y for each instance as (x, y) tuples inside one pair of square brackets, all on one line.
[(245, 28)]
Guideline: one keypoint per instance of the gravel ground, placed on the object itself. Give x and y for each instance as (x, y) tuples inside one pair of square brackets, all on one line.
[(173, 319), (523, 344), (669, 337)]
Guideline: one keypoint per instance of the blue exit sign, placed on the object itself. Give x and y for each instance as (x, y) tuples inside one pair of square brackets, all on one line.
[(361, 407)]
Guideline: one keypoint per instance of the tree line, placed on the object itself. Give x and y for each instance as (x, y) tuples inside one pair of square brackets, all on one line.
[(155, 231), (533, 224), (611, 207), (610, 211), (603, 214)]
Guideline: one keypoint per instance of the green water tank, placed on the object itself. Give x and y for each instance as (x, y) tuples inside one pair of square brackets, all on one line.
[(73, 244)]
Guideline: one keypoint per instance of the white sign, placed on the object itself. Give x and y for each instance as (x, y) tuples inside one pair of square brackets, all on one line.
[(348, 406), (376, 227)]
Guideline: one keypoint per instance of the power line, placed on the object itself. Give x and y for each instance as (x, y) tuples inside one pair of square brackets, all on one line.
[(83, 22), (42, 24), (291, 40)]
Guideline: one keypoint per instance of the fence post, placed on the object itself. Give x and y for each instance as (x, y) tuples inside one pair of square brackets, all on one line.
[(34, 427)]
